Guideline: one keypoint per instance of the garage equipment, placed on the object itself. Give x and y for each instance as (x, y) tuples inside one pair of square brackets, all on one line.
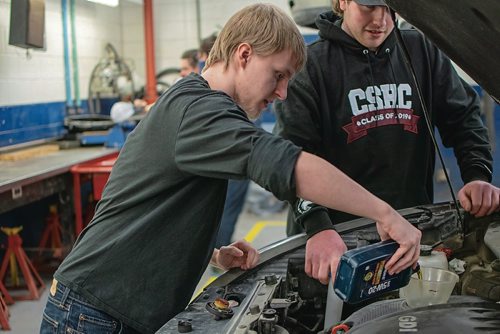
[(99, 171), (4, 315), (15, 256), (114, 137), (52, 233), (111, 78)]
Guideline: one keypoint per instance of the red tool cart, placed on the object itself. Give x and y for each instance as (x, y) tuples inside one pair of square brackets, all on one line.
[(98, 170)]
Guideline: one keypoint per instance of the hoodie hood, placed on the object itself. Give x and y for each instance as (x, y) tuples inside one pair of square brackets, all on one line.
[(330, 29), (329, 26)]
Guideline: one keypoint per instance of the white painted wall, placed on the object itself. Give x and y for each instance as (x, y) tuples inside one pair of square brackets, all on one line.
[(175, 27), (39, 77)]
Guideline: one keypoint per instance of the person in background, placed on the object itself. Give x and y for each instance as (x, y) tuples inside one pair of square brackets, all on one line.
[(137, 263), (189, 62), (355, 105), (206, 45)]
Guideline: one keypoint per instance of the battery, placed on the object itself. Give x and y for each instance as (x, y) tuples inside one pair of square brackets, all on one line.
[(361, 273)]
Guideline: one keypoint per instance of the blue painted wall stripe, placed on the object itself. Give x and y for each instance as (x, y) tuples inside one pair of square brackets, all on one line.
[(28, 122), (24, 123)]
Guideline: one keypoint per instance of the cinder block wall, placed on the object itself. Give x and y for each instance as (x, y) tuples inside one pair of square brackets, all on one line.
[(37, 76)]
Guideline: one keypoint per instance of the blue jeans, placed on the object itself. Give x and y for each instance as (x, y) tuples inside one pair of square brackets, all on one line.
[(68, 312)]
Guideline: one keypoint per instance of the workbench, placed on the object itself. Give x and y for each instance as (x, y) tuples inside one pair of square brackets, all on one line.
[(25, 181)]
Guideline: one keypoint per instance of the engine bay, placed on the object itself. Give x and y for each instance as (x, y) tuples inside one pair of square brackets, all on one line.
[(278, 297)]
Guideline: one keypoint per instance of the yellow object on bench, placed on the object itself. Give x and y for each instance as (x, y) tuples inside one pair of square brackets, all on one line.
[(28, 153)]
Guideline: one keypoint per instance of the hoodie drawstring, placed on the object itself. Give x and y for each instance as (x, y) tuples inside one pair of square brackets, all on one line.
[(387, 51), (367, 54)]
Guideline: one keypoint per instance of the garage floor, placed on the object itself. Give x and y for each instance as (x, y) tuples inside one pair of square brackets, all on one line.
[(260, 230)]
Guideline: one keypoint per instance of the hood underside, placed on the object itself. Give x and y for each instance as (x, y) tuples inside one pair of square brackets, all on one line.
[(468, 31)]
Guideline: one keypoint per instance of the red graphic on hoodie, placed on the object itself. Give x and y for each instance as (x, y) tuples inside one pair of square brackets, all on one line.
[(360, 124)]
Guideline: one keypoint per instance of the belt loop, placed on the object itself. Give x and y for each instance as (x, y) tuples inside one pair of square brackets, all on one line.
[(65, 295)]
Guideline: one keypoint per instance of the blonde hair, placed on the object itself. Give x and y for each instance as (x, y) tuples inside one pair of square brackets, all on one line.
[(266, 28), (336, 8)]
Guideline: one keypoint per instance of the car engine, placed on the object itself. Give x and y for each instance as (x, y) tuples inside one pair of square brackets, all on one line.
[(278, 297)]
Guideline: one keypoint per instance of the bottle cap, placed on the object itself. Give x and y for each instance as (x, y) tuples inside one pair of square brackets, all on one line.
[(425, 250)]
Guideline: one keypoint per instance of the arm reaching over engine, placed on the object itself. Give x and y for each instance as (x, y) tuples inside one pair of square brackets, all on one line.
[(331, 188)]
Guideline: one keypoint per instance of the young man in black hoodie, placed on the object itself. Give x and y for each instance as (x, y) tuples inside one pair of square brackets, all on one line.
[(355, 105), (136, 265)]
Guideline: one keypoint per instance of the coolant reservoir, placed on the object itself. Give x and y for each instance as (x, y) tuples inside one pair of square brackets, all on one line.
[(432, 259)]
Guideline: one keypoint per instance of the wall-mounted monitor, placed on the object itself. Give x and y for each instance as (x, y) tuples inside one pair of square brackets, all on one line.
[(27, 23)]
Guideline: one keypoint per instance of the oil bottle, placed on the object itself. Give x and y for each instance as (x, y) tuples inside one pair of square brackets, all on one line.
[(361, 273)]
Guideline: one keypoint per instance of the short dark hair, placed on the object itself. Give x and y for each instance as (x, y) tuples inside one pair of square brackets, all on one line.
[(207, 43), (191, 56)]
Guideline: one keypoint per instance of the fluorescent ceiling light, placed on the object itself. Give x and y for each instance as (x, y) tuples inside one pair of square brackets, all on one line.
[(112, 3)]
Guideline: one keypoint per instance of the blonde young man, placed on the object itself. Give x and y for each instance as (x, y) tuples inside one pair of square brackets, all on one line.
[(206, 45), (138, 262)]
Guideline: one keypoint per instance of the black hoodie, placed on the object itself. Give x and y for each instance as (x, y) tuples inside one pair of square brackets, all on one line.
[(359, 110)]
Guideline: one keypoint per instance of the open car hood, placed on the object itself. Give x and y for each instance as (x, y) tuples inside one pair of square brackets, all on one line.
[(277, 297), (468, 31)]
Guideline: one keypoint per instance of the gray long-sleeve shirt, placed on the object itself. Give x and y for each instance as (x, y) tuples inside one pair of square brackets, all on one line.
[(154, 230)]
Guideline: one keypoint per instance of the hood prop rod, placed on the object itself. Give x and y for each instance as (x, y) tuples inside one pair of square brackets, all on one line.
[(411, 69)]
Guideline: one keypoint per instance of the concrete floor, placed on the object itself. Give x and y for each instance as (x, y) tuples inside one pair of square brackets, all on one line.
[(259, 230)]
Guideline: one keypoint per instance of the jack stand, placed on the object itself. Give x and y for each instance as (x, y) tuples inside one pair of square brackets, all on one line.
[(4, 315), (16, 253), (7, 298), (53, 231)]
